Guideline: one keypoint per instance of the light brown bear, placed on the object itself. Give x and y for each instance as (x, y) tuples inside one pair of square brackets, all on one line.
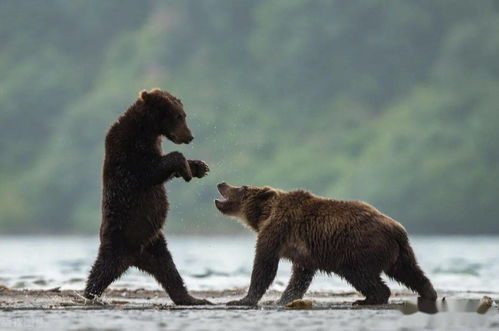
[(349, 238)]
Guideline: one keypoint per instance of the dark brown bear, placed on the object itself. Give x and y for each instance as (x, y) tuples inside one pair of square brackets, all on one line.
[(134, 203), (348, 238)]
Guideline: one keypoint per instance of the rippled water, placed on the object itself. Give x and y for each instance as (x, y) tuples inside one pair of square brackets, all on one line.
[(215, 263)]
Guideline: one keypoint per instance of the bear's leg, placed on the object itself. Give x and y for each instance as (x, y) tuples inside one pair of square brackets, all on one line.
[(157, 261), (106, 269), (411, 275), (371, 286), (298, 284)]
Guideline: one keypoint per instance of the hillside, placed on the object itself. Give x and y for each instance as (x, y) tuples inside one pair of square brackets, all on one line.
[(395, 103)]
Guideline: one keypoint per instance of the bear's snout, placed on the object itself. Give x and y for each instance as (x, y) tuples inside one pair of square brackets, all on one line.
[(185, 138), (224, 189)]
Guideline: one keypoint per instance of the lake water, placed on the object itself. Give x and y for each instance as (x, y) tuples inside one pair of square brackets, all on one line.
[(453, 263)]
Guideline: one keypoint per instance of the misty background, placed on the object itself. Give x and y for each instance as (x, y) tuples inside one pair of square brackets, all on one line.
[(392, 102)]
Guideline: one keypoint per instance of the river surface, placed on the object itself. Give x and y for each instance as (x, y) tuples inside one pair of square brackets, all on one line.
[(218, 263), (459, 267)]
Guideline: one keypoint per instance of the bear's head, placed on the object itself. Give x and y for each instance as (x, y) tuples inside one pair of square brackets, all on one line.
[(249, 204), (166, 115)]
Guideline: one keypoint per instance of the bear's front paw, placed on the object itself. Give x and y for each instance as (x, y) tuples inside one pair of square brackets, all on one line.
[(199, 168), (183, 168), (242, 302), (192, 301), (177, 164)]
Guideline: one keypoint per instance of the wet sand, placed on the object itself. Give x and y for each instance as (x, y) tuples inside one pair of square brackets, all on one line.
[(132, 309)]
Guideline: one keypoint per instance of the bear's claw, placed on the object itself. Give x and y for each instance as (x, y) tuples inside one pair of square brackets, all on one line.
[(199, 168)]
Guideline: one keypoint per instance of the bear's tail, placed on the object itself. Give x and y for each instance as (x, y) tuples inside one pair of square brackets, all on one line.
[(407, 271)]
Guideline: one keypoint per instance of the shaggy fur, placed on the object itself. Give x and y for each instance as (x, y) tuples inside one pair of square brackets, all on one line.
[(134, 202), (349, 238)]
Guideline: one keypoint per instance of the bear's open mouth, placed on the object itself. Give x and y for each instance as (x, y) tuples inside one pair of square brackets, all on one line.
[(221, 202), (223, 198)]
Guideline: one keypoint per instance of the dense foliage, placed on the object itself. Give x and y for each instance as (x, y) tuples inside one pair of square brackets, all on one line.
[(391, 102)]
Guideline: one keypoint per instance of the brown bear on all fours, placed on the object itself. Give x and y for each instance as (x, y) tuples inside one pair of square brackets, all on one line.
[(349, 238), (134, 202)]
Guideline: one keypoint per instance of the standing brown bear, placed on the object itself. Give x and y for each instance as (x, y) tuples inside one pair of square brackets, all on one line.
[(134, 202), (348, 238)]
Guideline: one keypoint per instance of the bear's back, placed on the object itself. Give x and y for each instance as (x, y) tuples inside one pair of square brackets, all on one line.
[(331, 233)]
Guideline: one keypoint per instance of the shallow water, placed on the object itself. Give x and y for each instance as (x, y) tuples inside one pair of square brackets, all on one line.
[(453, 263), (456, 265)]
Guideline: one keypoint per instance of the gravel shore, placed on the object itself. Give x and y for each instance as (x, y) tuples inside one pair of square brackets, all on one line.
[(132, 309)]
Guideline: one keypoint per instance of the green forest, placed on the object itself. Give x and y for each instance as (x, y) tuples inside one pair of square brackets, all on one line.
[(392, 102)]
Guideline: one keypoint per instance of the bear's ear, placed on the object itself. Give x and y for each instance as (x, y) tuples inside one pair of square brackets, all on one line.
[(267, 193), (144, 95), (151, 95)]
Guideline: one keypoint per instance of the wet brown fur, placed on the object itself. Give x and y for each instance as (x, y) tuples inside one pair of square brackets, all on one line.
[(134, 201), (349, 238)]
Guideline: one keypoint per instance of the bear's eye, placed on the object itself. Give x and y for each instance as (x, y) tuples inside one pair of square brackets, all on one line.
[(179, 117)]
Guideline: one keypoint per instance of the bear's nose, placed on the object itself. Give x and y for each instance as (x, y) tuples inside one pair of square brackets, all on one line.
[(190, 138)]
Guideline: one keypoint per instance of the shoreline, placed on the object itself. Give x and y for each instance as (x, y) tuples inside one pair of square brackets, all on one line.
[(141, 299), (133, 309)]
